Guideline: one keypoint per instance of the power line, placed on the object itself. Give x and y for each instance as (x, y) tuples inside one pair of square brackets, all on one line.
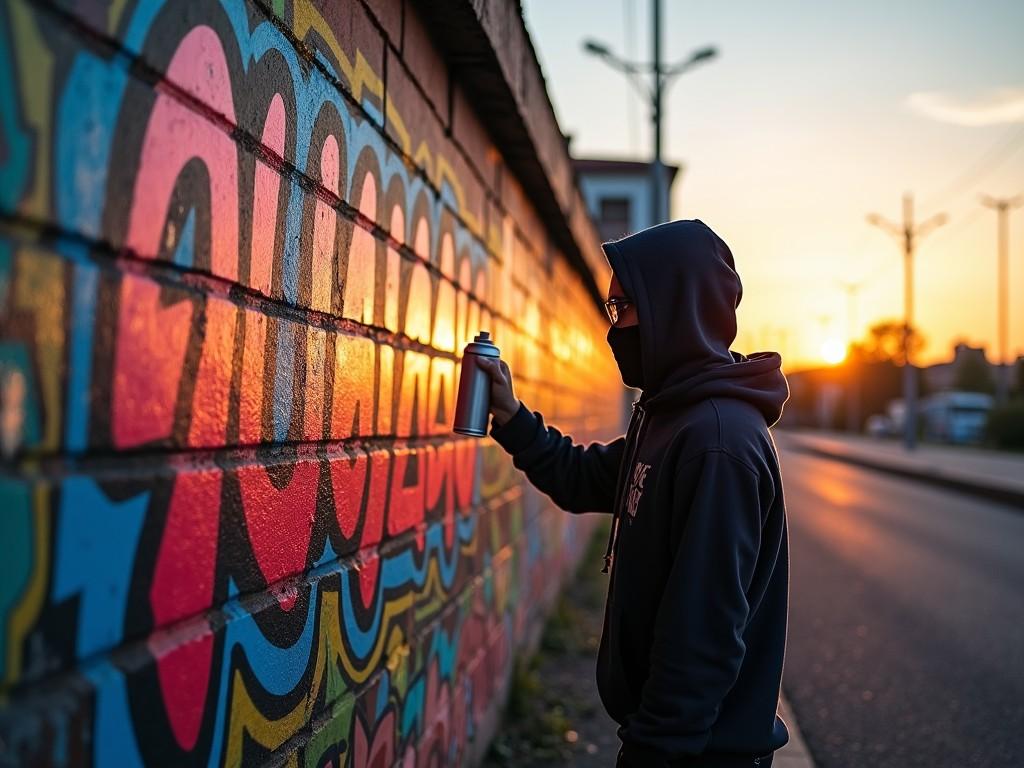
[(992, 159), (960, 224)]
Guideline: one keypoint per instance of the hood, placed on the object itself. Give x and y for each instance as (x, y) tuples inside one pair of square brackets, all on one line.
[(682, 278)]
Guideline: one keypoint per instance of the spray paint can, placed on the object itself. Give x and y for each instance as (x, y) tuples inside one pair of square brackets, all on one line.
[(474, 400)]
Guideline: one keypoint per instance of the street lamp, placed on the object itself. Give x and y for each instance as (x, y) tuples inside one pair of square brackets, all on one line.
[(662, 78), (1003, 207), (908, 234)]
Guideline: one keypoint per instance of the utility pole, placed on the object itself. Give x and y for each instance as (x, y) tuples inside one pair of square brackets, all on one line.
[(659, 195), (1002, 207), (909, 234), (851, 290), (663, 76), (853, 384)]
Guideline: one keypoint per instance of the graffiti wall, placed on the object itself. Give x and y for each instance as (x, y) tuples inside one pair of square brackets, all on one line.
[(241, 247)]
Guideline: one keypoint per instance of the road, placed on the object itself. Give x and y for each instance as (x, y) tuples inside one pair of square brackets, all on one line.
[(906, 637)]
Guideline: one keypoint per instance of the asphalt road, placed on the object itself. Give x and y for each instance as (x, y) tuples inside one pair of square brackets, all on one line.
[(906, 636)]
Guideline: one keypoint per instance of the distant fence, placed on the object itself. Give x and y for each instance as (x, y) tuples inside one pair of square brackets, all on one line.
[(241, 248)]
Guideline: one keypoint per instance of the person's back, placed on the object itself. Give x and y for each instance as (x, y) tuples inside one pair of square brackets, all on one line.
[(692, 650)]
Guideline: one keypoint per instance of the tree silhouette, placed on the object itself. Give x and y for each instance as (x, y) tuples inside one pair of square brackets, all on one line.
[(884, 343)]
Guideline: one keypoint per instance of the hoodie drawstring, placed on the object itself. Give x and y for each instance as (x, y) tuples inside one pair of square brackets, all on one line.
[(613, 534)]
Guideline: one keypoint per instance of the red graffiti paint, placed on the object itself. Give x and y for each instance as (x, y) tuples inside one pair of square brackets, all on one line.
[(151, 341), (440, 478), (359, 279), (266, 190), (250, 406), (373, 523), (183, 586), (353, 395), (374, 747), (279, 520), (433, 746), (175, 135), (348, 482), (408, 481), (324, 229), (213, 380)]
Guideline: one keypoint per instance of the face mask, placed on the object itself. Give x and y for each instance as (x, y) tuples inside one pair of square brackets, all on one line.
[(625, 344)]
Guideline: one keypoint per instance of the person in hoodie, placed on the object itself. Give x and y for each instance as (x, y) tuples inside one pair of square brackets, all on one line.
[(691, 654)]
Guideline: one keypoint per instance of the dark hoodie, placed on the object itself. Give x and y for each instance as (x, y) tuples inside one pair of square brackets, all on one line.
[(695, 625)]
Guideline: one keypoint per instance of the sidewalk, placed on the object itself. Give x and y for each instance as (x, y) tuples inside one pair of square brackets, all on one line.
[(991, 474), (554, 715)]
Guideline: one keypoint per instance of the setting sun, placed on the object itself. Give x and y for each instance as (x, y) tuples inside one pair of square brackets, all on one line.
[(833, 351)]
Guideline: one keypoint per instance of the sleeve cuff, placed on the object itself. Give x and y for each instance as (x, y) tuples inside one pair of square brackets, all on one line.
[(517, 433)]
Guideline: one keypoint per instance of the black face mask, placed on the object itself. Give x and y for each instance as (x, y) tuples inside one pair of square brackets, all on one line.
[(625, 344)]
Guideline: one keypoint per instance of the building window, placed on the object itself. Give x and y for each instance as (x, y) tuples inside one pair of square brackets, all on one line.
[(613, 218)]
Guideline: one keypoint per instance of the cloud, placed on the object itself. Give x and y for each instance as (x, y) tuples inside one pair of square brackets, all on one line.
[(991, 106)]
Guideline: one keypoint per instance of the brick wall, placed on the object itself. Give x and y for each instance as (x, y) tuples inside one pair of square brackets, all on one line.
[(241, 247)]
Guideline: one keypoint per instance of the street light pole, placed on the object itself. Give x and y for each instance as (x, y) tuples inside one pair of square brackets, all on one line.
[(908, 233), (659, 194), (851, 289), (1002, 207), (853, 382), (663, 76)]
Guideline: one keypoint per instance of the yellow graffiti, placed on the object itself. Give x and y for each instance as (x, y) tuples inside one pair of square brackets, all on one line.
[(40, 290), (246, 717), (33, 56), (114, 15), (445, 172), (23, 616), (433, 592)]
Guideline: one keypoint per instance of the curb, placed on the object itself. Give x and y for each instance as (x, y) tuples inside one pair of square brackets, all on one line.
[(795, 754), (933, 476)]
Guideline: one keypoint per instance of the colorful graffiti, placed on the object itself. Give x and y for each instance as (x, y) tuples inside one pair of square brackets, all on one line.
[(237, 266)]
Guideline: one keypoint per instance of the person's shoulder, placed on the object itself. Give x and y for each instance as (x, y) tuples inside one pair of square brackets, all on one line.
[(727, 425), (738, 415)]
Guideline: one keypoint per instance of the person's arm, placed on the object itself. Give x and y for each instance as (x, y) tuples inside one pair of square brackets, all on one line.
[(577, 478), (698, 634)]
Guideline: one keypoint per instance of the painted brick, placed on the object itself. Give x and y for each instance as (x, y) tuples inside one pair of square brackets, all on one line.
[(413, 122), (470, 134), (237, 528), (424, 62), (388, 14)]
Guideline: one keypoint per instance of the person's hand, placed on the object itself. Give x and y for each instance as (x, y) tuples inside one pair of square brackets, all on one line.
[(504, 402)]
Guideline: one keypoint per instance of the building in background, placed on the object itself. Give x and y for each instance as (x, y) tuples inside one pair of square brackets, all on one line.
[(967, 360), (618, 194)]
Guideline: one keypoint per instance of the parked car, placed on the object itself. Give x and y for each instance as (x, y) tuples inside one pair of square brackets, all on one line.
[(879, 425), (956, 417)]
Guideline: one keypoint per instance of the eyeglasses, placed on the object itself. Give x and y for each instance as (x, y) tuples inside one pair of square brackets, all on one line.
[(615, 307)]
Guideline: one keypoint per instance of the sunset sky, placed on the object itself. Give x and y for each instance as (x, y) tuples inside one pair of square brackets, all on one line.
[(814, 115)]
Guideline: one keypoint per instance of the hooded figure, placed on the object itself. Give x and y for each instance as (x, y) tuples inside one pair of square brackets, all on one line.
[(694, 635)]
